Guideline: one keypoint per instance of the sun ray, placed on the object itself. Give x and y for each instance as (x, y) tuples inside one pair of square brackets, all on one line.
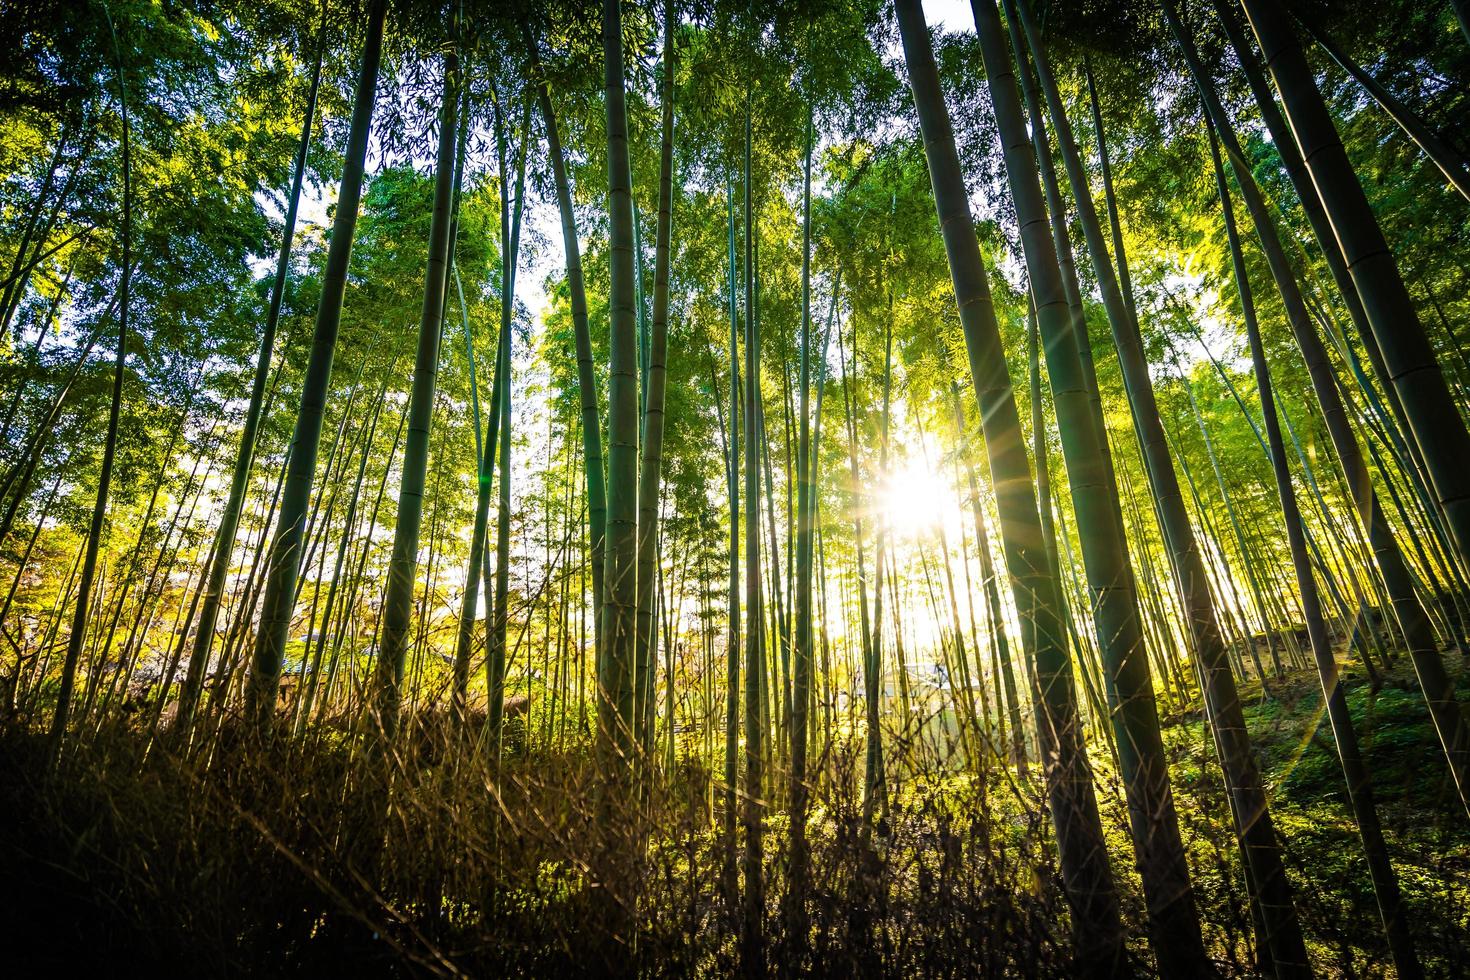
[(915, 500)]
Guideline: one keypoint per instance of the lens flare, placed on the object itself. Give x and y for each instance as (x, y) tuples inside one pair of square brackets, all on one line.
[(915, 499)]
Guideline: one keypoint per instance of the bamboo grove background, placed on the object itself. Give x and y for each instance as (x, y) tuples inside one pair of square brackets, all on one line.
[(701, 488)]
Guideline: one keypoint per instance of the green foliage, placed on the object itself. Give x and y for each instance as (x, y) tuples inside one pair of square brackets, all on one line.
[(215, 93)]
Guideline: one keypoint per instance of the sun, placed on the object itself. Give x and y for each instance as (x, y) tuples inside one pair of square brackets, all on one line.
[(915, 499)]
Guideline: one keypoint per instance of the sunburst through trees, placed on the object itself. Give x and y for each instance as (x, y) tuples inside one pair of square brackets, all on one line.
[(854, 487)]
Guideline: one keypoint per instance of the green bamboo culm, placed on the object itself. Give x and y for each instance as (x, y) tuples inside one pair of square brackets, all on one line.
[(229, 520), (77, 638), (1173, 920), (403, 565), (1409, 361), (1258, 838), (1450, 161), (802, 646), (753, 904), (596, 490), (1355, 773), (1438, 688), (1087, 878), (498, 621), (653, 411), (730, 868), (284, 562), (619, 622)]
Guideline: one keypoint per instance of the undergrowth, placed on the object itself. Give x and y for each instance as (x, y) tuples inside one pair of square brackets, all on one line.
[(289, 862)]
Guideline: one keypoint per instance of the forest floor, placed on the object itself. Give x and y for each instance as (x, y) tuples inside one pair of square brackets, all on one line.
[(1428, 833), (111, 867)]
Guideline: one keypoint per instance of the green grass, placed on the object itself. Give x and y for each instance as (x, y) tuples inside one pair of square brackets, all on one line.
[(1427, 832)]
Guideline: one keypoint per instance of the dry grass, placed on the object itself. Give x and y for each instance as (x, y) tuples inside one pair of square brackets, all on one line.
[(288, 861)]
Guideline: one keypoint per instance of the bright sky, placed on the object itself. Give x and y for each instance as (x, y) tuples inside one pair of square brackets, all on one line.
[(953, 15)]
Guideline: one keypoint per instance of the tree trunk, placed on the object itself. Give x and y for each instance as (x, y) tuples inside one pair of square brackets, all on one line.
[(653, 414), (474, 577), (403, 566), (586, 375), (1258, 839), (1360, 793), (498, 614), (78, 633), (619, 622), (1439, 690), (1296, 170), (1450, 162), (732, 645), (802, 643), (1412, 367), (1173, 919), (229, 519), (875, 797), (751, 951), (285, 552), (1087, 878)]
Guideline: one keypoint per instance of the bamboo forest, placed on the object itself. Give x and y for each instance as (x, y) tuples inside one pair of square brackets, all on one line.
[(662, 488)]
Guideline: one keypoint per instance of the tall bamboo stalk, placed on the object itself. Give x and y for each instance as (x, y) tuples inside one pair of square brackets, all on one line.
[(285, 552), (78, 634), (1086, 875), (1360, 793), (403, 566), (1173, 918), (229, 520), (1410, 362)]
